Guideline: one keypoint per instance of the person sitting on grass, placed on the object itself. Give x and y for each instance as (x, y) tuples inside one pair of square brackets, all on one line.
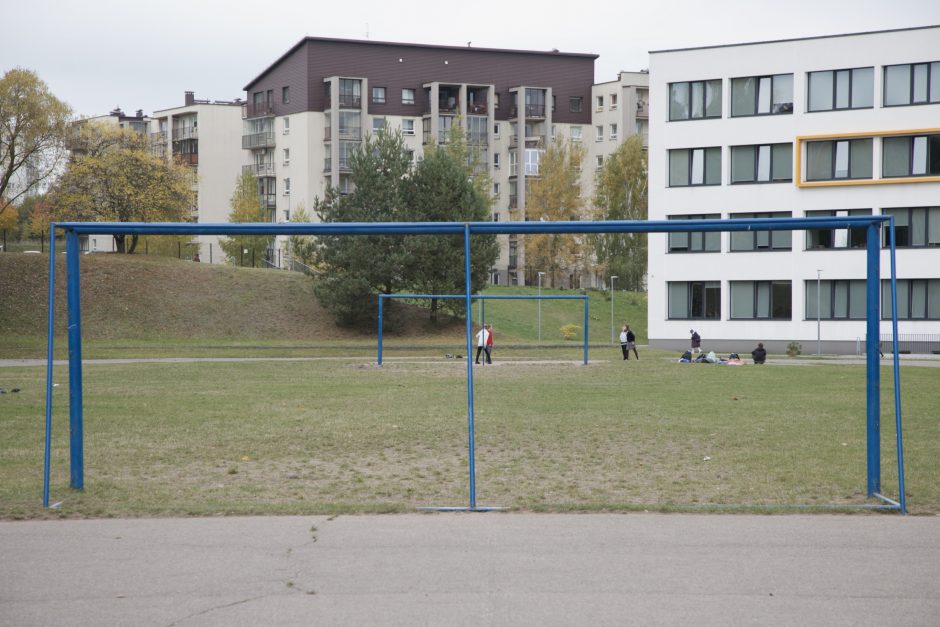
[(759, 354)]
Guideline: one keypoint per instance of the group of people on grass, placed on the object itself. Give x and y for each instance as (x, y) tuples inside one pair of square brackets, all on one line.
[(759, 354)]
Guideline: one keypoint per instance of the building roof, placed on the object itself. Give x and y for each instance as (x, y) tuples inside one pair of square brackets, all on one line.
[(305, 40)]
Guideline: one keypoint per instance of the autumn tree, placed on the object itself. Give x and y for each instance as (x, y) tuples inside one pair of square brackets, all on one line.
[(246, 207), (33, 127), (113, 177), (302, 247), (556, 196), (621, 194)]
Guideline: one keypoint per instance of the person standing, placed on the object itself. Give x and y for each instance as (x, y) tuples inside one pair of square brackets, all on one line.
[(696, 341), (623, 343), (482, 336), (489, 344), (631, 344)]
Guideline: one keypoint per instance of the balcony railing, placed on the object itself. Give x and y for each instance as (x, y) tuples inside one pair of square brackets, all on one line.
[(350, 133), (477, 108), (259, 110), (328, 133), (513, 201), (530, 110), (350, 101), (258, 140), (260, 169), (191, 158), (344, 164), (185, 132), (328, 164), (268, 201), (158, 138), (642, 109)]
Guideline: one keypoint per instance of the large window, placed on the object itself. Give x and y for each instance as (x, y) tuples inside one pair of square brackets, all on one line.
[(695, 100), (762, 95), (760, 240), (575, 104), (914, 227), (761, 300), (698, 241), (842, 89), (694, 300), (839, 159), (916, 155), (912, 83), (918, 299), (822, 239), (766, 163), (407, 96), (838, 300), (695, 166), (349, 92)]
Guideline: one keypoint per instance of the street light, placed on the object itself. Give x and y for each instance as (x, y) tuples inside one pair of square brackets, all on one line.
[(612, 307), (540, 306), (818, 310)]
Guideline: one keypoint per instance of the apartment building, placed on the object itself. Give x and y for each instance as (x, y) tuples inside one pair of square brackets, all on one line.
[(311, 109), (206, 136), (620, 109), (838, 125)]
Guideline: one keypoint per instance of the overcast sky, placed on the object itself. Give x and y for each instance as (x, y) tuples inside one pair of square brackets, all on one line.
[(99, 54)]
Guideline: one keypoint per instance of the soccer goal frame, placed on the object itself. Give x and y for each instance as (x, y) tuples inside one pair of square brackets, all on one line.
[(872, 224), (482, 298)]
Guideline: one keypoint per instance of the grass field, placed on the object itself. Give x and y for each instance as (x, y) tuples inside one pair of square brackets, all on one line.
[(342, 435)]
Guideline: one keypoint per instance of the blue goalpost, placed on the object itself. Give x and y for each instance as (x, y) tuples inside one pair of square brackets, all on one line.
[(873, 225), (482, 299)]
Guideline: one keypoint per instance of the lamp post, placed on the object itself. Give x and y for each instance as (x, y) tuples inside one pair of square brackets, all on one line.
[(818, 310), (540, 306), (612, 307)]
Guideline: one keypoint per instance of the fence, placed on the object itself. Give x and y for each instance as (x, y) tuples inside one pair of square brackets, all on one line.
[(911, 343)]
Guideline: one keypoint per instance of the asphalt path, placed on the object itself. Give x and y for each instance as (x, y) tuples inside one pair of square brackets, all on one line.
[(474, 569)]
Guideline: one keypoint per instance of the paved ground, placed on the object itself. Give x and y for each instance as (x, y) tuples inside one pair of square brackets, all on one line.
[(473, 569)]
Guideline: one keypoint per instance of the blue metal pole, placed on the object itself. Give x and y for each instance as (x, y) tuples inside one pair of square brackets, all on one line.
[(873, 364), (381, 300), (77, 474), (49, 358), (897, 372), (469, 312), (585, 330)]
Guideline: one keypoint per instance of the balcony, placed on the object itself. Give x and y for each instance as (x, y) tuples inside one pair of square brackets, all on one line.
[(530, 111), (268, 201), (478, 108), (350, 133), (513, 201), (327, 165), (158, 138), (642, 109), (260, 169), (258, 140), (191, 158), (258, 110), (344, 164), (328, 133), (185, 132), (350, 101)]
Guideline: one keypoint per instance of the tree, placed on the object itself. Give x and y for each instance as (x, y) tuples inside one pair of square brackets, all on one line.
[(113, 177), (621, 194), (556, 196), (442, 190), (246, 207), (33, 126), (351, 270), (302, 247)]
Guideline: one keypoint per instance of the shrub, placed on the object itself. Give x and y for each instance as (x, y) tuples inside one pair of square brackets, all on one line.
[(570, 331), (794, 349)]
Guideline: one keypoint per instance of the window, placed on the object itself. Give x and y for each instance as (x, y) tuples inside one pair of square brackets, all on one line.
[(408, 96), (817, 239), (767, 163), (600, 103), (695, 166), (613, 102), (286, 187), (496, 101), (496, 160), (287, 156), (350, 91), (842, 89), (496, 130), (574, 104), (695, 100), (839, 159), (286, 126), (411, 157), (378, 123), (600, 132), (407, 127), (496, 193), (696, 241), (918, 299), (576, 134), (762, 95), (600, 161), (760, 240), (532, 158), (694, 300), (917, 155), (838, 300), (911, 83), (613, 131), (378, 95), (761, 300), (285, 95), (914, 227)]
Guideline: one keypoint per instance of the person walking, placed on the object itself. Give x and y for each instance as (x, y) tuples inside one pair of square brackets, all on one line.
[(488, 350), (696, 341), (623, 343), (631, 343), (482, 336)]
